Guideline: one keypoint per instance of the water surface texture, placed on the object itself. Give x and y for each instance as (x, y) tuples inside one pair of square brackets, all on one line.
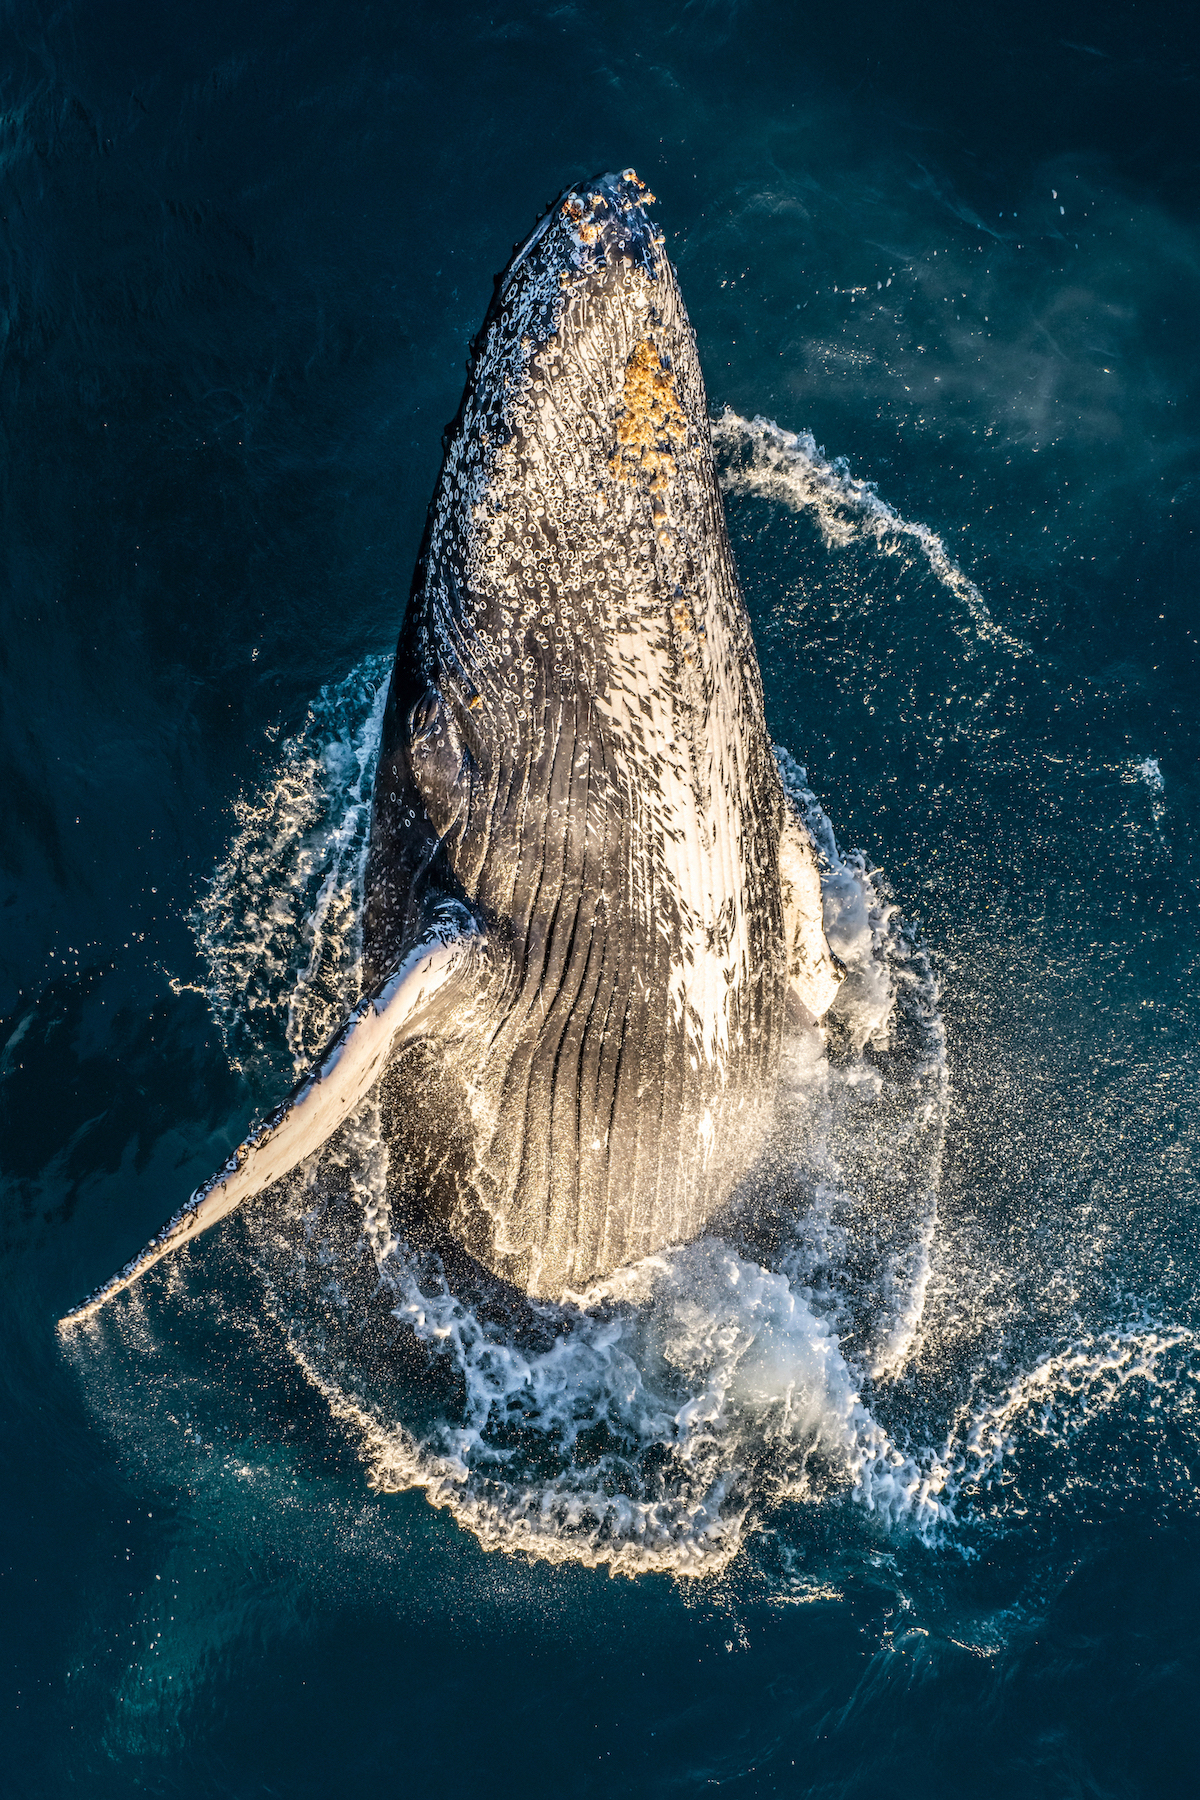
[(887, 1484)]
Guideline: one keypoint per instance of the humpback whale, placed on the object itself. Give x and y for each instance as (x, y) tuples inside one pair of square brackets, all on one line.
[(590, 912)]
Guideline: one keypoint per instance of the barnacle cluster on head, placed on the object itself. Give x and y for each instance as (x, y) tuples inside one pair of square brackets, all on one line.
[(652, 423), (611, 209), (605, 220)]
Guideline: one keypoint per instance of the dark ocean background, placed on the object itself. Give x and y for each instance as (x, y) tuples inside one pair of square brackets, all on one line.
[(243, 250)]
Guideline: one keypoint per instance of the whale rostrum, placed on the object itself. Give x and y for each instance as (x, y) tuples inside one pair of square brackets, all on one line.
[(589, 909)]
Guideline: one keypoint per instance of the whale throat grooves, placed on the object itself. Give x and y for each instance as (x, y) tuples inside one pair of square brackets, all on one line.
[(575, 745)]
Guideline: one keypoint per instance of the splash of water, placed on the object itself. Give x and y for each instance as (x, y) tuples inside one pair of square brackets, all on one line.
[(895, 1085), (278, 927), (648, 1423), (1064, 1391), (653, 1423), (760, 457)]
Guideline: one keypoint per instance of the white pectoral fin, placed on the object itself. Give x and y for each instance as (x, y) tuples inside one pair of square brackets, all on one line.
[(814, 973), (418, 998)]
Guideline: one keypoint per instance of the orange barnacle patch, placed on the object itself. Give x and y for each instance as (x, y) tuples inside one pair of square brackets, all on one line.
[(652, 423), (573, 209)]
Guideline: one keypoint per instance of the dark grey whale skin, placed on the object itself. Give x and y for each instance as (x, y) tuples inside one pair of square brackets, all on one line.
[(574, 746)]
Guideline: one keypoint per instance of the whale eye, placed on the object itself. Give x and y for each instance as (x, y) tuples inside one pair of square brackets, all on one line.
[(424, 716)]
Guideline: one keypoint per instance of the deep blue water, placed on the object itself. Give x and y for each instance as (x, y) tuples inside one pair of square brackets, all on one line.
[(953, 257)]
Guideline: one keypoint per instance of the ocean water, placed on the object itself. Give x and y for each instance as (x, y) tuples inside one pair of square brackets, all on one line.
[(896, 1494)]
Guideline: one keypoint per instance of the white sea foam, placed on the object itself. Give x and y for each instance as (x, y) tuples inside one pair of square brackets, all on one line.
[(278, 926), (716, 1388), (760, 457), (1067, 1390)]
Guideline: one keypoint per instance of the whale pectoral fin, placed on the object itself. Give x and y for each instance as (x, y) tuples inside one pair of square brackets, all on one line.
[(814, 972), (421, 997)]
